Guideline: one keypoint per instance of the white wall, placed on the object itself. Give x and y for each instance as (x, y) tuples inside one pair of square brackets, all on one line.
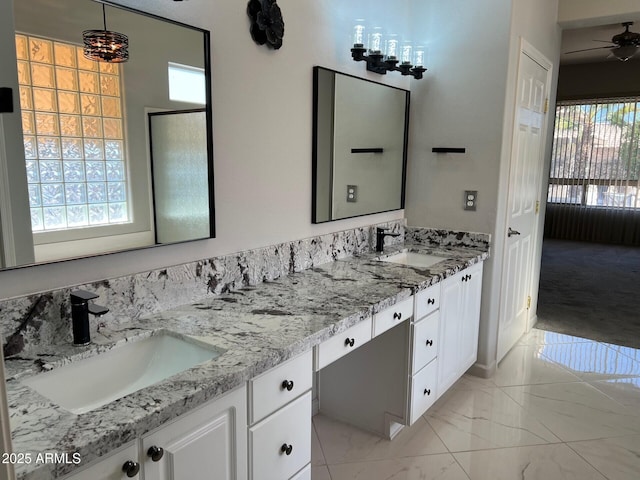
[(587, 13), (469, 101), (461, 104), (262, 104)]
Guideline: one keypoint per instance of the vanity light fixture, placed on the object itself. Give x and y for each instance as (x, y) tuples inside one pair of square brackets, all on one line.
[(105, 45), (386, 53), (377, 62)]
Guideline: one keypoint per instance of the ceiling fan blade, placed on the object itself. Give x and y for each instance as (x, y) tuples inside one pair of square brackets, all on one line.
[(587, 49)]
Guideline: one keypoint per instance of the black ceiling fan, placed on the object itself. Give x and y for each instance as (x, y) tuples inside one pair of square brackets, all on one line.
[(625, 44)]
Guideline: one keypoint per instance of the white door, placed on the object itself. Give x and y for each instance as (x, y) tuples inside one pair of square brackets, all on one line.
[(524, 180)]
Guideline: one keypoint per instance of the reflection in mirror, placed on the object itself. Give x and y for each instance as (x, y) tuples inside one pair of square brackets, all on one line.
[(359, 146), (89, 179)]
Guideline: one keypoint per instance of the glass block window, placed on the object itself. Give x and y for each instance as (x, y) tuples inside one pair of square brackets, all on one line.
[(72, 121)]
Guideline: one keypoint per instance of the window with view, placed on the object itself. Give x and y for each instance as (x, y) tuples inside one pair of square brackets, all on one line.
[(596, 154), (72, 121)]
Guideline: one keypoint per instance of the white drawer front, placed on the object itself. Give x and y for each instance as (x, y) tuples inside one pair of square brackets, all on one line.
[(427, 301), (278, 386), (423, 390), (110, 467), (342, 343), (304, 474), (392, 316), (425, 341), (280, 445)]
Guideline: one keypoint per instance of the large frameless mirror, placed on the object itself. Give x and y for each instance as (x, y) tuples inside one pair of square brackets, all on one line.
[(102, 156), (359, 146)]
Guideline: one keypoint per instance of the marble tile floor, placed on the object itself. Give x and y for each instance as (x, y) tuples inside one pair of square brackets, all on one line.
[(559, 407)]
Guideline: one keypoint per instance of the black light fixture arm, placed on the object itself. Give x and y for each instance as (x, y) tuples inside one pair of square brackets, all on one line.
[(377, 63)]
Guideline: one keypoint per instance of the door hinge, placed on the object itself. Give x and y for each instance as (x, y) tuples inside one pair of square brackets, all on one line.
[(546, 105), (537, 206), (529, 302)]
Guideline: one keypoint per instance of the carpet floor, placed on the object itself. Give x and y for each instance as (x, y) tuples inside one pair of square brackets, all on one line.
[(590, 290)]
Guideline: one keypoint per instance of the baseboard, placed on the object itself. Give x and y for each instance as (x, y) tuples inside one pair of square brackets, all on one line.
[(483, 371), (392, 425)]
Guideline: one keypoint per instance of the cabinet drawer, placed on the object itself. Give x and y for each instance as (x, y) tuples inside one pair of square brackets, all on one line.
[(427, 301), (278, 386), (109, 467), (280, 445), (423, 390), (425, 341), (304, 474), (343, 343), (392, 316)]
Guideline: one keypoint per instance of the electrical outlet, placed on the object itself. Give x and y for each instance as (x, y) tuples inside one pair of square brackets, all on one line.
[(470, 199), (352, 193)]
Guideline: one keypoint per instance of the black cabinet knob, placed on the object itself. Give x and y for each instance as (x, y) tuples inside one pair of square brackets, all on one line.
[(349, 342), (286, 449), (429, 343), (427, 391), (287, 385), (431, 301), (155, 453), (397, 315), (131, 468)]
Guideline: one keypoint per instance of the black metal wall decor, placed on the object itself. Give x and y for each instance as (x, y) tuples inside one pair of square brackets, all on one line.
[(267, 25)]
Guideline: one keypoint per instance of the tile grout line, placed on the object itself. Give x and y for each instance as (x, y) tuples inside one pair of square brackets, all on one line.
[(586, 460)]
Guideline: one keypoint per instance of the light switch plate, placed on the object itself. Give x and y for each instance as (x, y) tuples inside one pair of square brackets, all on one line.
[(352, 193), (470, 199)]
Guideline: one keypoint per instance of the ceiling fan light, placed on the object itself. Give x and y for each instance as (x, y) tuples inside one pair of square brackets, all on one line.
[(624, 53)]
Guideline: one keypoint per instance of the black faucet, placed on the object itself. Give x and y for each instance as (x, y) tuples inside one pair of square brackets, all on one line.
[(380, 234), (81, 307)]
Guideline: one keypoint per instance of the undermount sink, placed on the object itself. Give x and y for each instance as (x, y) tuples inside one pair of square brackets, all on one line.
[(412, 259), (87, 384)]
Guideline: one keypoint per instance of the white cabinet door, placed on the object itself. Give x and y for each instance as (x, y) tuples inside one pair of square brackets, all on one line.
[(451, 311), (113, 466), (471, 317), (459, 322), (208, 443)]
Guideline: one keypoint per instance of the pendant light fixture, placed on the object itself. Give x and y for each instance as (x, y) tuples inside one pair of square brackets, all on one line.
[(105, 45)]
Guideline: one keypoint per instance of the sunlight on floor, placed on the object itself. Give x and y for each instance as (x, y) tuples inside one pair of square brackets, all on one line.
[(559, 407)]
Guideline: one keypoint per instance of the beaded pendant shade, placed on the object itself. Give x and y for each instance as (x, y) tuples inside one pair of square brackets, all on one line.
[(105, 45)]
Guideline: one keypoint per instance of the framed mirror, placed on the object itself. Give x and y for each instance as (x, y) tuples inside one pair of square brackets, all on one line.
[(105, 156), (360, 132)]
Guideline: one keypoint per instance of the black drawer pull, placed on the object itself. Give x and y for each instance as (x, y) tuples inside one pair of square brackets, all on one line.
[(131, 468), (349, 342), (431, 301), (286, 449), (155, 453), (287, 385), (429, 343), (397, 315), (427, 391)]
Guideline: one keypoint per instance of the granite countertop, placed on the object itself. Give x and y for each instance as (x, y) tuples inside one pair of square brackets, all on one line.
[(257, 328)]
